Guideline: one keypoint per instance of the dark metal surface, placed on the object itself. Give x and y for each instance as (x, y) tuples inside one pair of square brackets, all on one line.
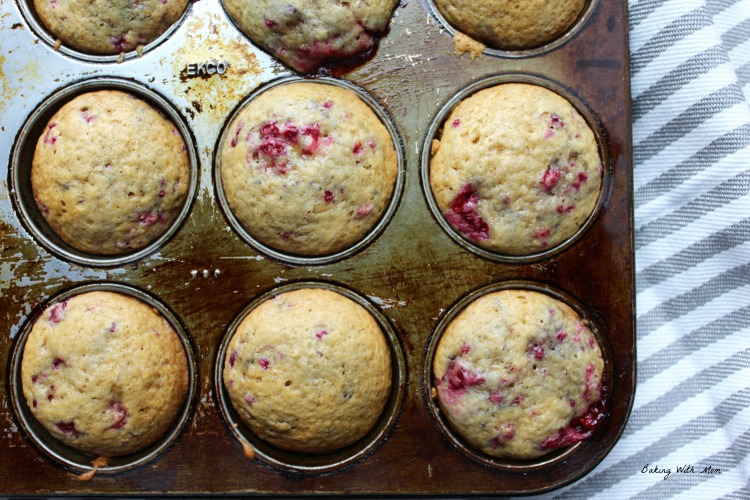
[(413, 272)]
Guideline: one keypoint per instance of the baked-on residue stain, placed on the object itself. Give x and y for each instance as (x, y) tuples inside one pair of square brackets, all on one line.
[(217, 95)]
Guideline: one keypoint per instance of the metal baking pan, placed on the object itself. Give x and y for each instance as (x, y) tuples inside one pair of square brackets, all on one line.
[(412, 272)]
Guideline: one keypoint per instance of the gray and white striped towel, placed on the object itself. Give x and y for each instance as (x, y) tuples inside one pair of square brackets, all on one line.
[(690, 62)]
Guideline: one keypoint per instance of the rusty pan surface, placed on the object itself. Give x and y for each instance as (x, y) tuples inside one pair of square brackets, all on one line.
[(411, 272)]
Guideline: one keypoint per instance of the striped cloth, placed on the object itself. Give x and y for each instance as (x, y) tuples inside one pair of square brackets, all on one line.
[(690, 62)]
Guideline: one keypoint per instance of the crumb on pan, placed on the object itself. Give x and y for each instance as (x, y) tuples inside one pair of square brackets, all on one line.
[(248, 449), (98, 462), (435, 146), (464, 43)]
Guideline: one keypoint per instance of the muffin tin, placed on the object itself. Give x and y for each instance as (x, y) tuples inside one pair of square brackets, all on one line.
[(411, 273)]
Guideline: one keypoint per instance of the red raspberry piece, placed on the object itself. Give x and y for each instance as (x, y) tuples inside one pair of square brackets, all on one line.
[(56, 313), (49, 139), (364, 210), (119, 414), (538, 352), (119, 42), (68, 428), (463, 215), (550, 178)]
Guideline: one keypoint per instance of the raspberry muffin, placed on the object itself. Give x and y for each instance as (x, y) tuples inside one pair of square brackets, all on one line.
[(308, 371), (519, 374), (516, 170), (110, 174), (104, 373), (307, 34), (511, 24), (308, 168), (111, 27)]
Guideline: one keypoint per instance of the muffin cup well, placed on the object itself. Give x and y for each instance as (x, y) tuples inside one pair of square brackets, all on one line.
[(39, 29), (553, 458), (23, 153), (571, 31), (371, 235), (71, 458), (334, 461), (434, 131)]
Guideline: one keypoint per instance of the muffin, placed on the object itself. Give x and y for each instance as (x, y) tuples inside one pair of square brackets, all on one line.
[(308, 371), (308, 168), (511, 24), (307, 34), (104, 373), (519, 374), (110, 174), (517, 170), (111, 27)]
